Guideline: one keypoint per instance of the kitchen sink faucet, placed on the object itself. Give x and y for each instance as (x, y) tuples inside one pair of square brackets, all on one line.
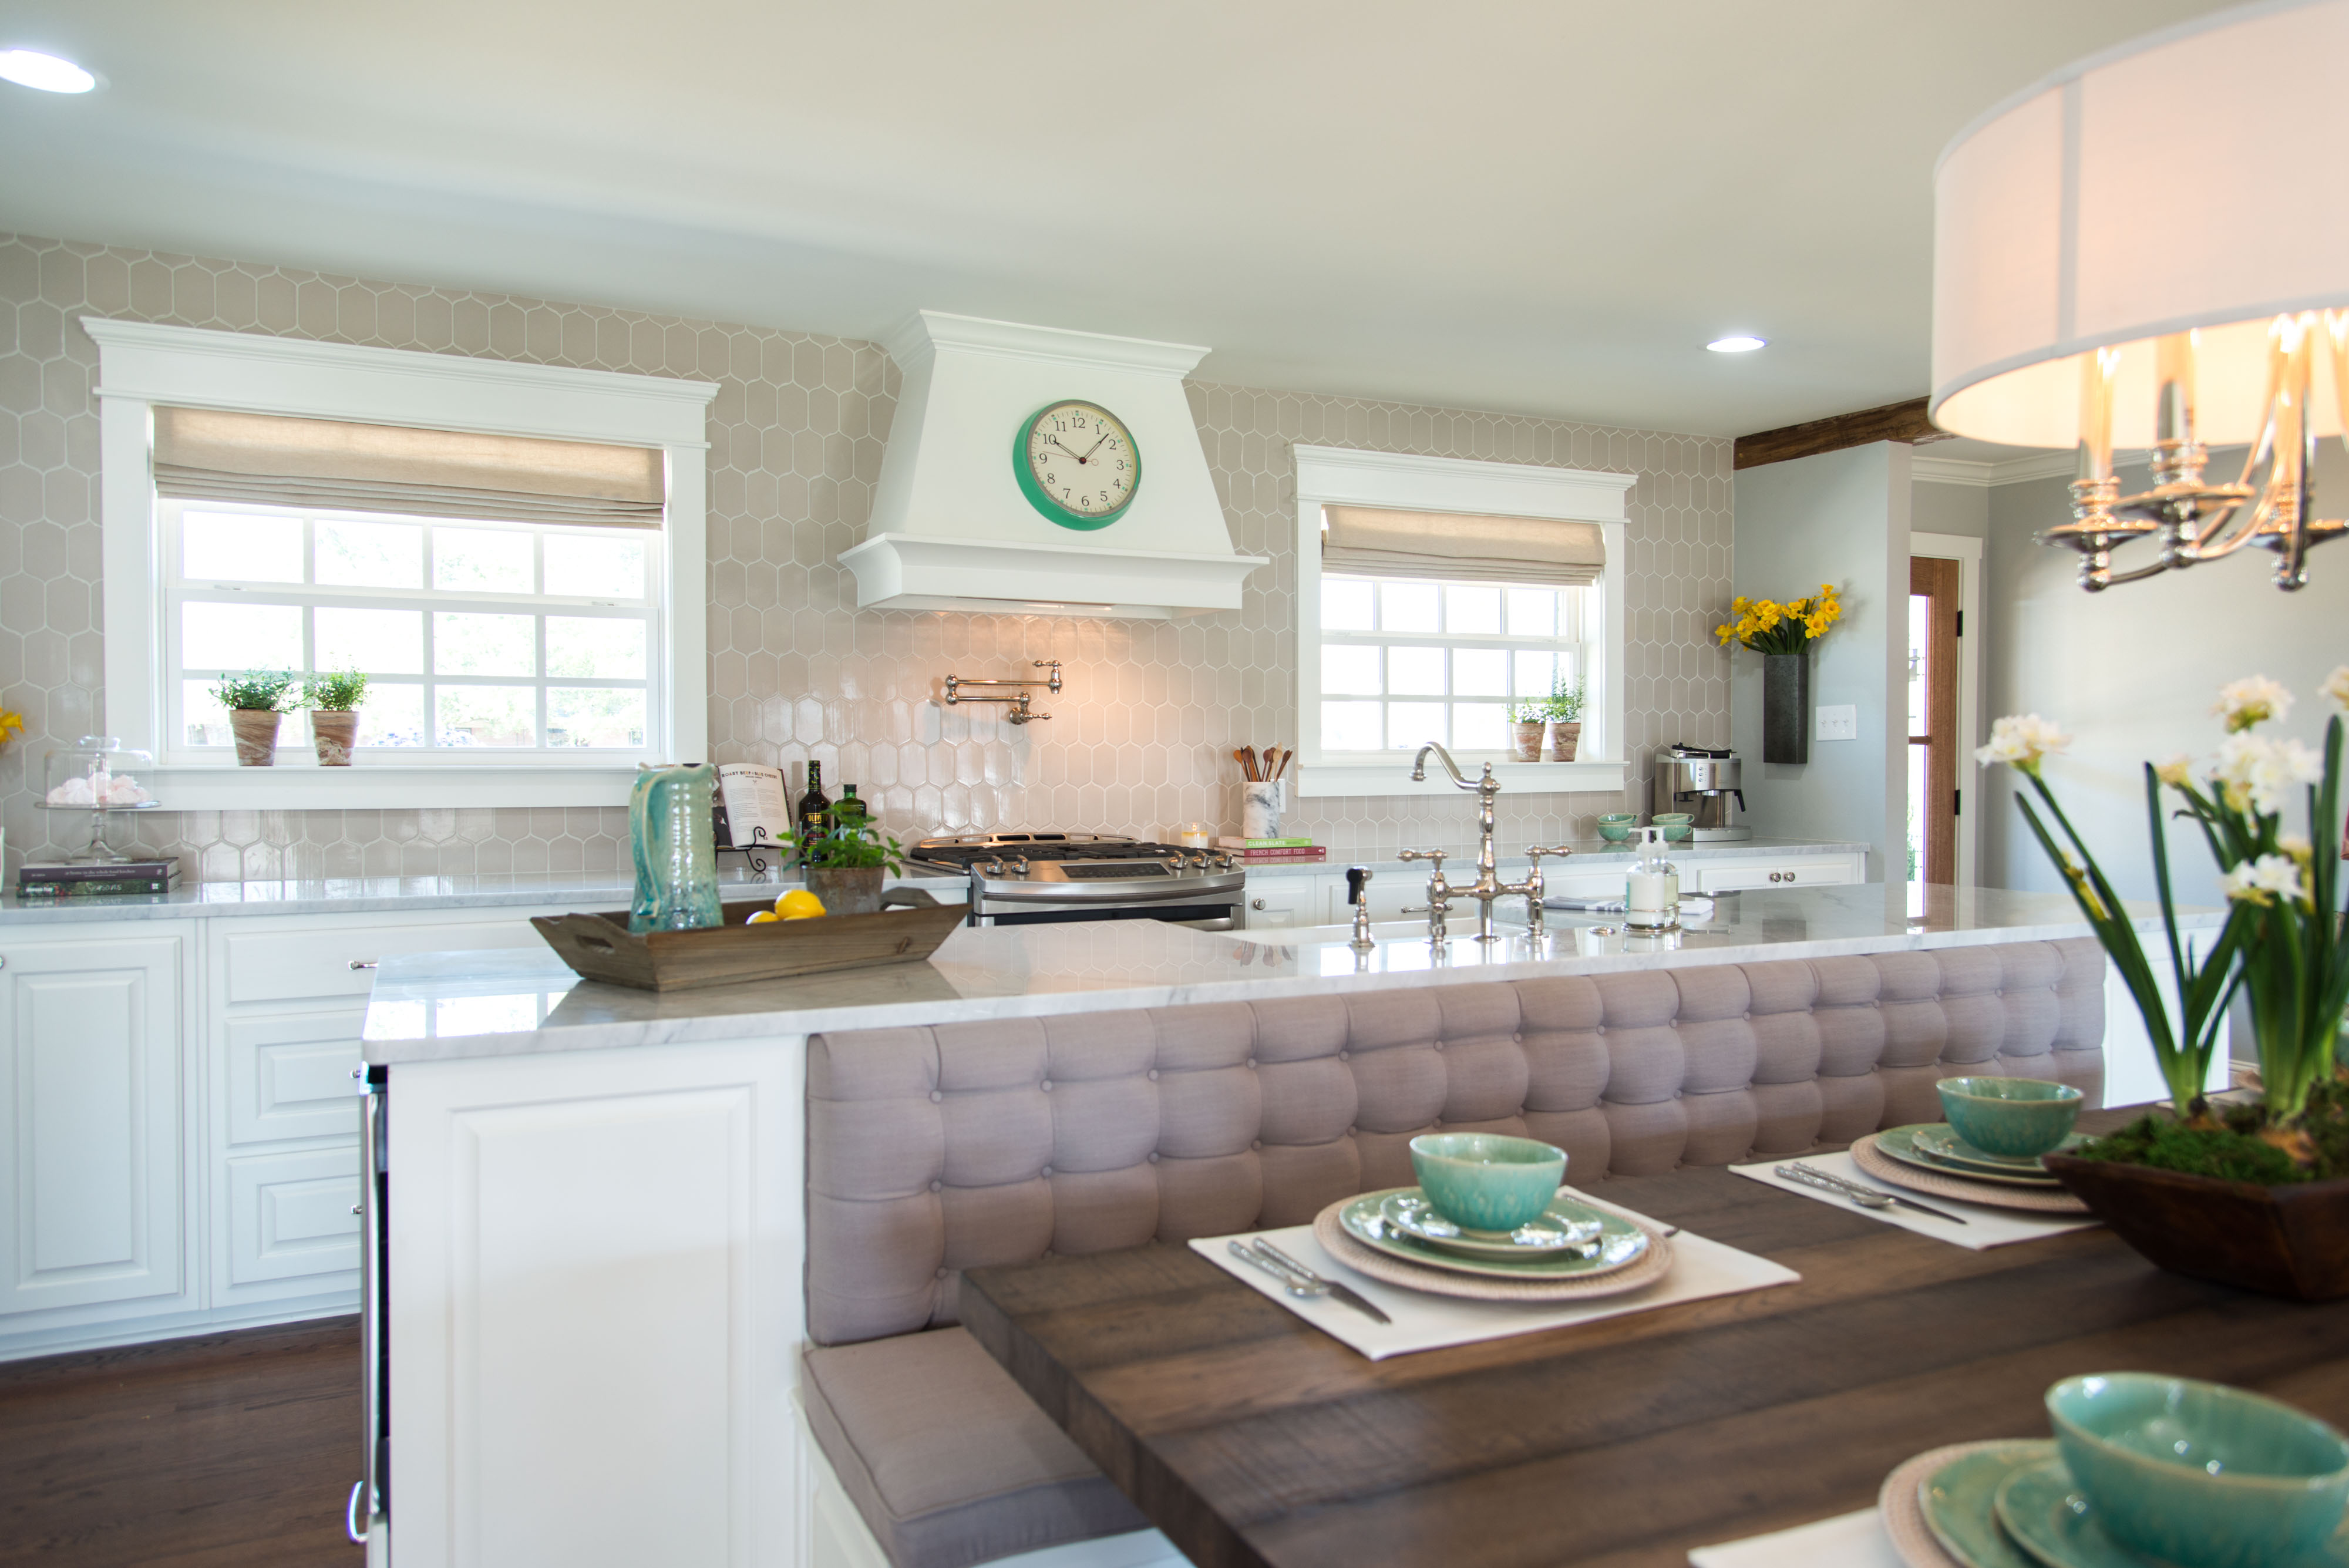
[(1488, 885)]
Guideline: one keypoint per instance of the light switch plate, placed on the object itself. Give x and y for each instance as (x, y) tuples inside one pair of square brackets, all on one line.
[(1837, 724)]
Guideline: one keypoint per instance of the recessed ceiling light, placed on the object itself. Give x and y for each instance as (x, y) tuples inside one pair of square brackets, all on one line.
[(32, 68), (1737, 344)]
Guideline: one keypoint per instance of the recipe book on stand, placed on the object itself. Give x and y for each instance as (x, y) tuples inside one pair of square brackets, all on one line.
[(96, 880), (751, 810), (1259, 850)]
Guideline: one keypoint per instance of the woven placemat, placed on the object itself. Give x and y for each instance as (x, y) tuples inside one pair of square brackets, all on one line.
[(1990, 1194), (1637, 1275), (1901, 1505)]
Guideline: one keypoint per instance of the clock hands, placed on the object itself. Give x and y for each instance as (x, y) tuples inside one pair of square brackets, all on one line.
[(1085, 456), (1092, 449)]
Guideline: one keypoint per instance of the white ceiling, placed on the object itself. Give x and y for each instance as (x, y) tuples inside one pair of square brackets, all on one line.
[(1537, 205)]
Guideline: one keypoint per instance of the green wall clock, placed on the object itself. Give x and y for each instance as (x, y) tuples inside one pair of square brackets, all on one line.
[(1077, 463)]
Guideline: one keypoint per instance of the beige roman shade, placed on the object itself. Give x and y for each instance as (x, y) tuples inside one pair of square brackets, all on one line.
[(1372, 542), (210, 454)]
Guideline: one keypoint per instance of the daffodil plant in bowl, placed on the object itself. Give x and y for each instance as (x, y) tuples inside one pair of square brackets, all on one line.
[(2255, 1194)]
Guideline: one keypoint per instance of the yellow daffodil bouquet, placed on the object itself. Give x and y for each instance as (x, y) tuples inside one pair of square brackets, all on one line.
[(1766, 626), (11, 726)]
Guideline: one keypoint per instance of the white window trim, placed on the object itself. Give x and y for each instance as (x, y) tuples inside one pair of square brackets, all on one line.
[(142, 365), (1330, 476)]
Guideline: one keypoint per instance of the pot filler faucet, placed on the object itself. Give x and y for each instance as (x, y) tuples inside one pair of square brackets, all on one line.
[(1488, 885)]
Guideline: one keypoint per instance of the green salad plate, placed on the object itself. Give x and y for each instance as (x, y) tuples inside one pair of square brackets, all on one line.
[(1959, 1502), (1615, 1244), (2042, 1507), (1542, 1235), (1901, 1144), (1940, 1140)]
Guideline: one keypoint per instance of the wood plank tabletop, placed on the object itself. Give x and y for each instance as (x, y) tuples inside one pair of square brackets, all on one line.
[(1251, 1438)]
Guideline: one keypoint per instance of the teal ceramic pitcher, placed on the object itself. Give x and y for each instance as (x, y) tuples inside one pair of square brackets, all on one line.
[(677, 859)]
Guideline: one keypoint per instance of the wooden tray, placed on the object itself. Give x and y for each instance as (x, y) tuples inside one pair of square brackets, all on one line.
[(601, 947)]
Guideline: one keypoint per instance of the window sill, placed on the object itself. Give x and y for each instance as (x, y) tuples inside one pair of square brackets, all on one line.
[(1519, 778), (303, 785)]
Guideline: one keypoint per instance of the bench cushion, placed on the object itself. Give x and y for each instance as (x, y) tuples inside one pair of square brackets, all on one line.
[(947, 1461)]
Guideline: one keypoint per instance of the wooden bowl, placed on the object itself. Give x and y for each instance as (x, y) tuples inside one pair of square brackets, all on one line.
[(601, 947)]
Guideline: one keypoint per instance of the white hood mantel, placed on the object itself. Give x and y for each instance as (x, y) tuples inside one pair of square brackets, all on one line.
[(951, 529)]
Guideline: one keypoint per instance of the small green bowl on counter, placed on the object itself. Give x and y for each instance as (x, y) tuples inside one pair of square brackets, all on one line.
[(1616, 825)]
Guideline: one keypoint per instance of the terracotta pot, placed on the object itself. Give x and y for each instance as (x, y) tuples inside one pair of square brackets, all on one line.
[(1563, 739), (846, 890), (256, 736), (1529, 740), (334, 734), (2280, 1240)]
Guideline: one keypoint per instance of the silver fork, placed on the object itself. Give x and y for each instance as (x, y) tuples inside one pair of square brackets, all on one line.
[(1864, 1196), (1302, 1281)]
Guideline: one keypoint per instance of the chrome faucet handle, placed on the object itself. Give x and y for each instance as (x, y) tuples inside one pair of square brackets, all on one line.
[(1537, 851), (1436, 854), (1535, 890), (1358, 893)]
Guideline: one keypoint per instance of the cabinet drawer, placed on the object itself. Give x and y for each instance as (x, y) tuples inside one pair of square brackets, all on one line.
[(290, 1215), (316, 961), (1275, 906), (291, 1077), (1824, 872)]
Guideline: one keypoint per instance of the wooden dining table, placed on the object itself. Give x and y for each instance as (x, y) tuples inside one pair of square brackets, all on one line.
[(1250, 1437)]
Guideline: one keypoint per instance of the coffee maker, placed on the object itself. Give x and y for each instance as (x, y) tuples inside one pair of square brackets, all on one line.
[(1702, 782)]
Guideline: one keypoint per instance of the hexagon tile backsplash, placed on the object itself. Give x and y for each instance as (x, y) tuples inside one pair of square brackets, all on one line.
[(1139, 743)]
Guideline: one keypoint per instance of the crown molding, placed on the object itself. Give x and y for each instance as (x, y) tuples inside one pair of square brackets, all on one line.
[(2014, 471)]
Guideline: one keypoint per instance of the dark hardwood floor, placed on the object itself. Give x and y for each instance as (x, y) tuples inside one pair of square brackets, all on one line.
[(229, 1448)]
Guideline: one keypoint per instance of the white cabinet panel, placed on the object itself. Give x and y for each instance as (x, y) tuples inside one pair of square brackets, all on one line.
[(90, 1195), (1810, 871), (290, 1215), (315, 957), (1278, 903), (290, 1076)]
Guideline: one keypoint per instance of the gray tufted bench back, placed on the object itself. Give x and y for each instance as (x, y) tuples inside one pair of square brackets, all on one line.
[(932, 1150)]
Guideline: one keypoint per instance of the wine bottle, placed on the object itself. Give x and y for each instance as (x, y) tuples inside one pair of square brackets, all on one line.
[(850, 812), (813, 817)]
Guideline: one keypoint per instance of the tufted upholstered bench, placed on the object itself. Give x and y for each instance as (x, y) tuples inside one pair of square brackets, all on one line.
[(933, 1150)]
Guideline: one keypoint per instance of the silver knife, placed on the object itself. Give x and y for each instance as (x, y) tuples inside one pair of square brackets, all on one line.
[(1342, 1293), (1798, 1171)]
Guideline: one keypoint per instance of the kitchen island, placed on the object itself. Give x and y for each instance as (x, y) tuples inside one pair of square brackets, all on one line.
[(593, 1205)]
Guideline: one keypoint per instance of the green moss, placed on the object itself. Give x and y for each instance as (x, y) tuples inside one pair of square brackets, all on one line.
[(2229, 1155)]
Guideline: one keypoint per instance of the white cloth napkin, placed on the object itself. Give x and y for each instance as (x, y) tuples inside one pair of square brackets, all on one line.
[(1846, 1540), (1423, 1321), (1985, 1227)]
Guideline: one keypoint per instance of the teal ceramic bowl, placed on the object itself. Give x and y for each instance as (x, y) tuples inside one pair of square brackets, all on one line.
[(1674, 823), (2022, 1117), (1615, 826), (2199, 1474), (1487, 1181)]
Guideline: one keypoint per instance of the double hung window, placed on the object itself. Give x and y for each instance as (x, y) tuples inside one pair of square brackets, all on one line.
[(1405, 660), (482, 640)]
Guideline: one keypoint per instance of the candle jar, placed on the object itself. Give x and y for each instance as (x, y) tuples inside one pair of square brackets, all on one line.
[(1193, 836)]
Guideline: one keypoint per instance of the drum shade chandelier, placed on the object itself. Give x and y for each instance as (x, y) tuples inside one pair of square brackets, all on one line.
[(2145, 251)]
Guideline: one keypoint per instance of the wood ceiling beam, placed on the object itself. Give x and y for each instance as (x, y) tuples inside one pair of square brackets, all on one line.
[(1893, 422)]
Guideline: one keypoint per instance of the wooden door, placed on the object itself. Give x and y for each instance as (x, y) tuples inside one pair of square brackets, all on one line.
[(1933, 587)]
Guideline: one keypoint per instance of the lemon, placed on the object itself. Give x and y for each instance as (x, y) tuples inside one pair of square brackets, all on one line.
[(799, 904), (762, 917)]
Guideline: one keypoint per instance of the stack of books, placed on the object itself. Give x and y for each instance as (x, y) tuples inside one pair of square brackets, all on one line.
[(1255, 851), (93, 879)]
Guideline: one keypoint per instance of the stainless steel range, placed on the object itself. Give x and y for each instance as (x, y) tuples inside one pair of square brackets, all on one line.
[(1036, 878)]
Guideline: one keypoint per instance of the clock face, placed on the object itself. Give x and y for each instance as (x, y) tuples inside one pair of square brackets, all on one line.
[(1077, 464)]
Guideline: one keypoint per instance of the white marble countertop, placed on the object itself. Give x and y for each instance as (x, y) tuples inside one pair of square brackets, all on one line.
[(445, 1006), (388, 894), (1589, 855), (598, 889)]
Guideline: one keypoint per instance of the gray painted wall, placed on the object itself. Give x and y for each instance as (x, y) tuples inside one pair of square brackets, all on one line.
[(1840, 517), (2132, 672), (1935, 507)]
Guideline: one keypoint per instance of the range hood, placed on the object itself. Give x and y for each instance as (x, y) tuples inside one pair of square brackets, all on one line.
[(951, 528)]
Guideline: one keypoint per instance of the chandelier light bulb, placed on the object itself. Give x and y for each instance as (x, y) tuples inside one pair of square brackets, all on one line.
[(1737, 343), (44, 73)]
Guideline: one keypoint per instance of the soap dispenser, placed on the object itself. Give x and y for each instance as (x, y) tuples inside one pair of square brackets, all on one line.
[(1651, 897)]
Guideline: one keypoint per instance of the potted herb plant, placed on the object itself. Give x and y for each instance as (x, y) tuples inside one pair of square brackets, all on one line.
[(844, 864), (2251, 1195), (1783, 634), (1528, 721), (255, 700), (1563, 710), (334, 701)]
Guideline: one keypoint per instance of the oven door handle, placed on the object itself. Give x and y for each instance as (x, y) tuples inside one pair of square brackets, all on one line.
[(1089, 892)]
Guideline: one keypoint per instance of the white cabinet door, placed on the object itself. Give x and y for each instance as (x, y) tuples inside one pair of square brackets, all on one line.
[(1276, 903), (289, 1076), (90, 1201), (290, 1215)]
